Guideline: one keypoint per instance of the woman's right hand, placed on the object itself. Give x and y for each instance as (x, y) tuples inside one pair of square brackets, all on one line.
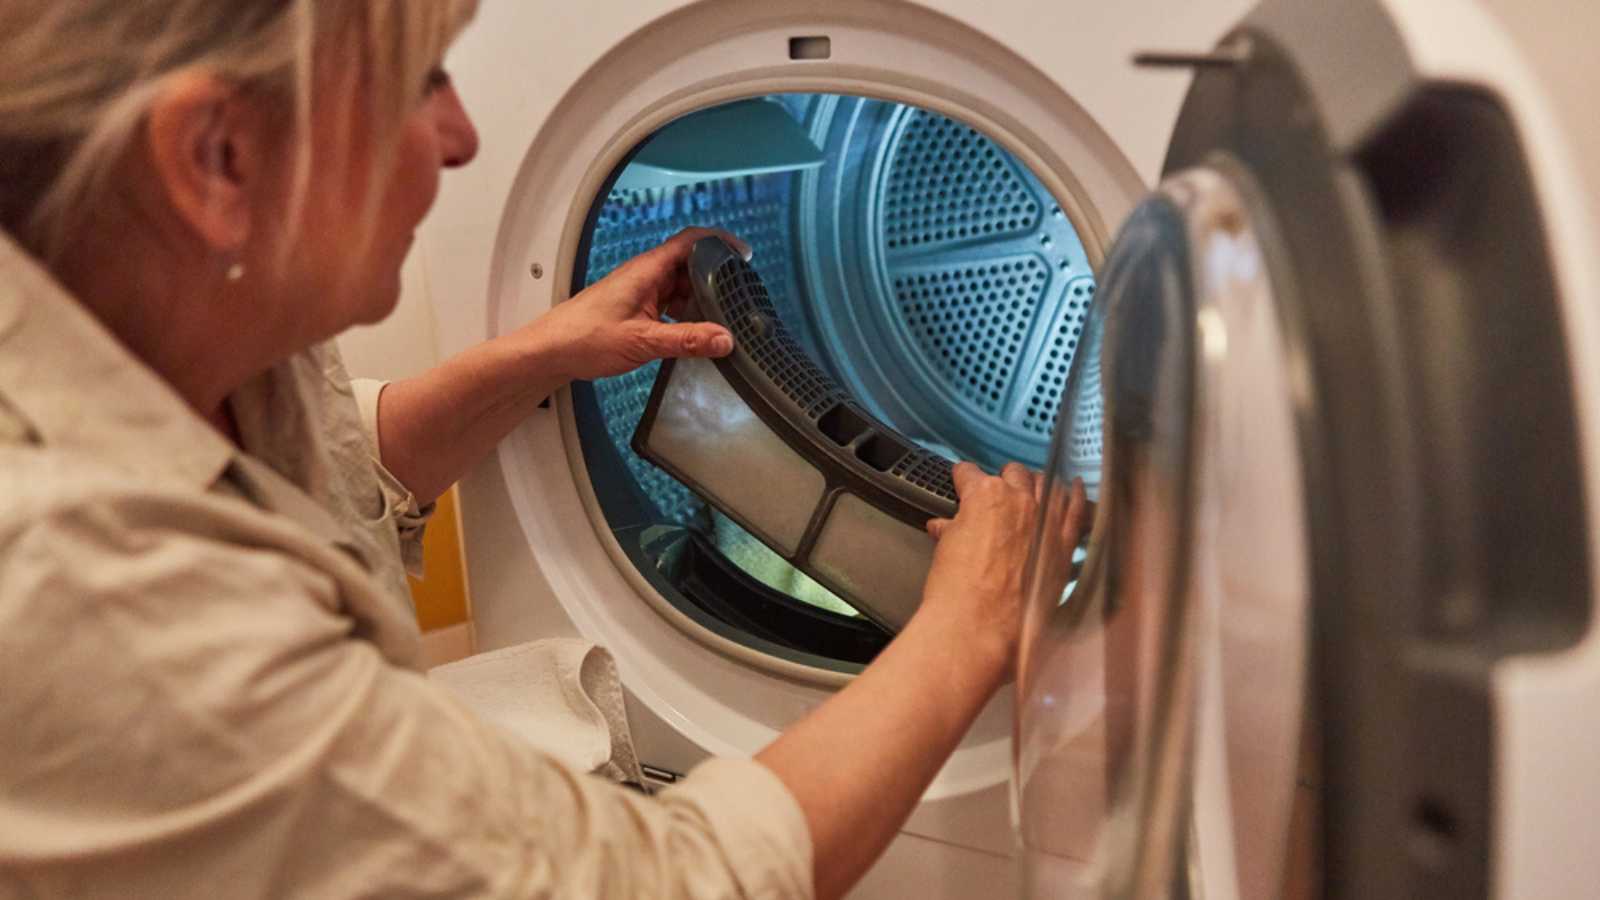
[(982, 554)]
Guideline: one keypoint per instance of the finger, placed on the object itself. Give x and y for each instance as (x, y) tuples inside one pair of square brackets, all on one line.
[(739, 245), (685, 238), (662, 266), (678, 245), (680, 304), (936, 528), (1018, 476), (653, 280), (1079, 510), (669, 341), (661, 270), (965, 475)]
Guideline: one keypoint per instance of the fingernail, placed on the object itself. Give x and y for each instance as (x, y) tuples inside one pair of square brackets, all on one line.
[(722, 345), (746, 251)]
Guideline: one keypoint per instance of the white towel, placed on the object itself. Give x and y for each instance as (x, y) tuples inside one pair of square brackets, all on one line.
[(562, 696)]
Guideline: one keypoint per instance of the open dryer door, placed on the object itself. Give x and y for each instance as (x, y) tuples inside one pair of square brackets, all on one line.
[(1328, 397)]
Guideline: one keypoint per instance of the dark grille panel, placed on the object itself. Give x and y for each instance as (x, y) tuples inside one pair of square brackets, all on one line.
[(761, 334)]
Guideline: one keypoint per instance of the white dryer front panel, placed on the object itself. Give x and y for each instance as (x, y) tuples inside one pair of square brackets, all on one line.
[(563, 95)]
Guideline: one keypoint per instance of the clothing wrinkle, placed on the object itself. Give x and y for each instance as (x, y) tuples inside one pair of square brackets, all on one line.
[(219, 698), (261, 784)]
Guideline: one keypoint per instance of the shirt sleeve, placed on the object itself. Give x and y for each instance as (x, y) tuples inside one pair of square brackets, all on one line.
[(410, 518), (190, 715)]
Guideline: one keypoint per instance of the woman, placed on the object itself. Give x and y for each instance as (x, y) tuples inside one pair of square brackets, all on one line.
[(206, 645)]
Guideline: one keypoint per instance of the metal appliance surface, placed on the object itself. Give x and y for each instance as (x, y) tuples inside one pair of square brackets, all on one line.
[(1380, 272), (565, 95)]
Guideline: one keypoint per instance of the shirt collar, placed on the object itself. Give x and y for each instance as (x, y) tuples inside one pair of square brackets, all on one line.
[(79, 388)]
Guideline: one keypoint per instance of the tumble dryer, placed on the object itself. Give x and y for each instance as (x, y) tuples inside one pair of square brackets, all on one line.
[(932, 188), (929, 188), (1334, 630)]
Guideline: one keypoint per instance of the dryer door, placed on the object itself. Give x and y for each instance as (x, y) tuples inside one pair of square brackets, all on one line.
[(1179, 403), (1322, 357)]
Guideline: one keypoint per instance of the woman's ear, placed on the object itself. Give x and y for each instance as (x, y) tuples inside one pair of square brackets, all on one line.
[(203, 143)]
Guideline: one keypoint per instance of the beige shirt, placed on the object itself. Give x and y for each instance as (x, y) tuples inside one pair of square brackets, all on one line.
[(207, 682)]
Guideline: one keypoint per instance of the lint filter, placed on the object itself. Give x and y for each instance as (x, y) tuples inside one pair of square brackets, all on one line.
[(774, 443)]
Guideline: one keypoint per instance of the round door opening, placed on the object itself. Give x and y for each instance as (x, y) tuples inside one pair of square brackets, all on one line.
[(914, 259)]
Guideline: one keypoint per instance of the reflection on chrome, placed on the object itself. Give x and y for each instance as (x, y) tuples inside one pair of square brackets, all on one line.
[(1096, 758), (1143, 762)]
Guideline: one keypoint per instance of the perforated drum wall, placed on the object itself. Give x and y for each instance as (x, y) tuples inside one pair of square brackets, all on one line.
[(948, 287), (927, 271)]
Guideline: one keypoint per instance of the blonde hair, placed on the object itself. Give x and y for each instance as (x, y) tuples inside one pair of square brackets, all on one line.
[(80, 76)]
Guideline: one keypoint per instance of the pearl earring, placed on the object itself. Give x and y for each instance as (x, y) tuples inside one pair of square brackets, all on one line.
[(236, 271)]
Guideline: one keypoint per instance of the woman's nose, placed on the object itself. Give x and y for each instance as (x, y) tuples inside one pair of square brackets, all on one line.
[(458, 137)]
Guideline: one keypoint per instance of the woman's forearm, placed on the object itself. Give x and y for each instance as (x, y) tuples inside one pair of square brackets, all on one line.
[(858, 764), (433, 428)]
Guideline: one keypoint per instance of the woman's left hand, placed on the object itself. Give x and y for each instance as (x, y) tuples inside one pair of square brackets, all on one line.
[(614, 326)]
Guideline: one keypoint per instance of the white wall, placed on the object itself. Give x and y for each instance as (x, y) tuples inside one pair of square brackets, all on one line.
[(405, 343), (1557, 38)]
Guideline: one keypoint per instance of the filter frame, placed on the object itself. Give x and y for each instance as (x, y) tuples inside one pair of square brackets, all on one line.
[(794, 398)]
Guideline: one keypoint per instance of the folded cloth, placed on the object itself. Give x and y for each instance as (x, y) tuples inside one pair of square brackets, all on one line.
[(560, 695)]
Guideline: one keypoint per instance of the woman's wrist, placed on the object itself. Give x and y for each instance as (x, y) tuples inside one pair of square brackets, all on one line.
[(977, 651), (542, 363)]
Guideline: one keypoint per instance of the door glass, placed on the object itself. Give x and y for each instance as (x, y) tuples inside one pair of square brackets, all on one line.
[(1159, 689), (1102, 676)]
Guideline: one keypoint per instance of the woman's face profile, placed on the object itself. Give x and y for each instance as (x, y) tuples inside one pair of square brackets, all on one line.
[(350, 287)]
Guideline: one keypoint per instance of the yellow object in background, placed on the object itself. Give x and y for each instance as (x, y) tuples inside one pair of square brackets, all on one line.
[(441, 595)]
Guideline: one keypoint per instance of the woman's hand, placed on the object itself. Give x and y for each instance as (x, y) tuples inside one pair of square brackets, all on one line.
[(615, 326), (858, 763), (979, 565), (434, 427)]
